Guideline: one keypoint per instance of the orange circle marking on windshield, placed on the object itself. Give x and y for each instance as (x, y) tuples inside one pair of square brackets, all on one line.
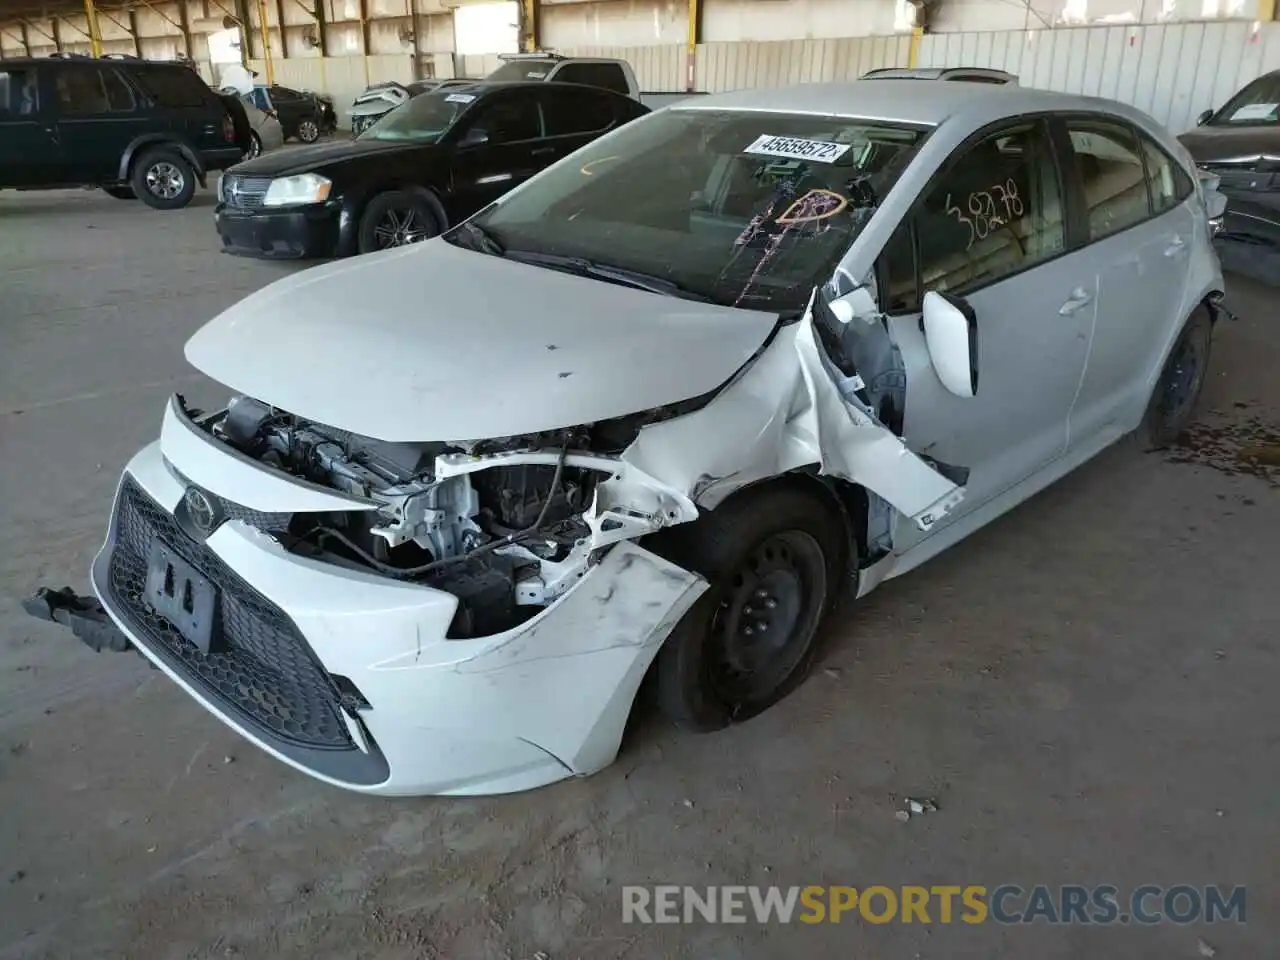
[(814, 205)]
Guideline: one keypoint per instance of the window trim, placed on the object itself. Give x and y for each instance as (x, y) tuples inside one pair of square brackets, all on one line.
[(1086, 239), (1045, 120), (614, 120)]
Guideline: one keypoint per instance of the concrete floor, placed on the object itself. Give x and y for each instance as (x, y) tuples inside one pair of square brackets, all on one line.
[(1087, 687)]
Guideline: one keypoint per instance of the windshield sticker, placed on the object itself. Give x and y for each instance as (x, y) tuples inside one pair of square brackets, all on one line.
[(819, 151), (459, 98), (1255, 111), (537, 74)]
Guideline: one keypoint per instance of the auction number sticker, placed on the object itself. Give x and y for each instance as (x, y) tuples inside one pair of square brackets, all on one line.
[(794, 148), (459, 98)]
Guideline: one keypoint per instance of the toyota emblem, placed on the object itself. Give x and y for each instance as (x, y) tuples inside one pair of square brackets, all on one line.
[(203, 512)]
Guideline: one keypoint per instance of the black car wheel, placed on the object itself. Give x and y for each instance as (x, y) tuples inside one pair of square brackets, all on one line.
[(773, 560), (397, 219), (120, 193), (1173, 401), (308, 130), (163, 179)]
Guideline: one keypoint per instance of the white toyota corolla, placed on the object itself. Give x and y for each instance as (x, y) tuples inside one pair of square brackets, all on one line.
[(654, 410)]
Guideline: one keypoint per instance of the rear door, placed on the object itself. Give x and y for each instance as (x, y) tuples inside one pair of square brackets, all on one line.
[(991, 232), (572, 118), (29, 153), (1140, 232), (510, 125), (183, 104), (99, 115)]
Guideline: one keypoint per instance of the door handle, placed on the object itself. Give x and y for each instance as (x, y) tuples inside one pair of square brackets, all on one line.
[(543, 151), (1080, 297), (1175, 247)]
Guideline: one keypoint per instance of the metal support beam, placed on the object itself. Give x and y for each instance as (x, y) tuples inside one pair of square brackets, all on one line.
[(530, 32), (184, 24), (95, 36), (56, 35), (164, 16), (26, 39), (241, 17), (265, 27), (691, 50), (137, 37), (284, 44), (913, 50), (321, 28), (364, 38)]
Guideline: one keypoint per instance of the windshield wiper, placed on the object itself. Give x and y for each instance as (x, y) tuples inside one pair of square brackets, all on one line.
[(475, 237), (607, 272)]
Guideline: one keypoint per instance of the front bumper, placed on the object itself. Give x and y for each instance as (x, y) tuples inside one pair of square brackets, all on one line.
[(348, 676), (287, 234)]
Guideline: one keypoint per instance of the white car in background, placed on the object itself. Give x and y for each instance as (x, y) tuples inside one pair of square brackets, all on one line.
[(265, 130), (654, 410)]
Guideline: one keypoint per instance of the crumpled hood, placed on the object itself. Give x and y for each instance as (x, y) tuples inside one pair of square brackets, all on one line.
[(1217, 144), (435, 342)]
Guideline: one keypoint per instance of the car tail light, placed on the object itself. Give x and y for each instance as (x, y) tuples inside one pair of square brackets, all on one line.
[(228, 130)]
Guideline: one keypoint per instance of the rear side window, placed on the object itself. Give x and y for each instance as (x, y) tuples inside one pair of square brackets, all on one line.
[(509, 119), (86, 90), (19, 93), (607, 76), (174, 88), (1112, 174), (575, 112), (1168, 182)]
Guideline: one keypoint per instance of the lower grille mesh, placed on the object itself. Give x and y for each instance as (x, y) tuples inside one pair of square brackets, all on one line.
[(262, 670)]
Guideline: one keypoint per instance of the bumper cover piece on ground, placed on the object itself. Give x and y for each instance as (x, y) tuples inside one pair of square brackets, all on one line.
[(83, 615)]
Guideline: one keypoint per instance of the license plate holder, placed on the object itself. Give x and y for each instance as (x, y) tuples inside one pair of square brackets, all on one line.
[(183, 596)]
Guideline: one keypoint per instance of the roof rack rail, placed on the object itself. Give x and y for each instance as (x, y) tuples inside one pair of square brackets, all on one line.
[(538, 55)]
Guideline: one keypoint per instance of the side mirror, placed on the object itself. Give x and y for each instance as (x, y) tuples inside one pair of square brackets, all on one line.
[(475, 137), (1204, 118), (951, 334)]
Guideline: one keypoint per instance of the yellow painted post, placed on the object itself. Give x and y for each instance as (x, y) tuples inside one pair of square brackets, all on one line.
[(913, 51), (95, 37), (529, 36), (1266, 10), (266, 41)]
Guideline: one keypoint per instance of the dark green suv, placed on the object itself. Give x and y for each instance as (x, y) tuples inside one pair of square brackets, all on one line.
[(136, 128)]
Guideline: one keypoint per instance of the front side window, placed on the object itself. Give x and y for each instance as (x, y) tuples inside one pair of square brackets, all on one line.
[(1258, 104), (19, 94), (509, 119), (1111, 174), (1168, 182), (423, 119), (995, 210), (743, 209)]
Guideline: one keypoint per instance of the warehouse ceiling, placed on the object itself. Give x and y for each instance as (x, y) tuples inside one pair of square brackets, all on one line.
[(41, 11)]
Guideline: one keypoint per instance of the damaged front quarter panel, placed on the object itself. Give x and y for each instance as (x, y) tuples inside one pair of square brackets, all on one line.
[(787, 412)]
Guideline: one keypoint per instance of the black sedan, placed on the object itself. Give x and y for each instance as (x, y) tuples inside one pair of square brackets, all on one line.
[(430, 163)]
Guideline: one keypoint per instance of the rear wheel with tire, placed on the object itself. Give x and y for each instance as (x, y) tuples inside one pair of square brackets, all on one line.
[(163, 179), (773, 560), (120, 193), (308, 130), (396, 219), (1173, 401)]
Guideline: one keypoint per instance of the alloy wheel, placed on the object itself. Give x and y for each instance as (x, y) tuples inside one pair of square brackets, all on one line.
[(308, 132), (165, 180), (399, 227)]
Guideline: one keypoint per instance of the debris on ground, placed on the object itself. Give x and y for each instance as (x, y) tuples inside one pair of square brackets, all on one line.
[(1206, 950), (689, 804), (913, 807), (1249, 447), (832, 672)]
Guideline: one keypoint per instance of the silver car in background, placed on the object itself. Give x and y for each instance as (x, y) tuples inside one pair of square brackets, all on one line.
[(265, 130)]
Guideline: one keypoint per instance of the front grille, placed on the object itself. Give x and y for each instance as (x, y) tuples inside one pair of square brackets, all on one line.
[(262, 670), (261, 519), (242, 191)]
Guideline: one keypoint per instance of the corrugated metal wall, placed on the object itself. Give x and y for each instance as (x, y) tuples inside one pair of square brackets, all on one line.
[(657, 67), (1172, 72), (732, 66)]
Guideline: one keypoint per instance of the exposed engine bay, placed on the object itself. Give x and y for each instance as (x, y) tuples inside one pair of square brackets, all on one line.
[(506, 525)]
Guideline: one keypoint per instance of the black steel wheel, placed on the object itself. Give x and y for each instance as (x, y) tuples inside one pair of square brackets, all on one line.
[(1176, 393), (396, 219), (773, 559)]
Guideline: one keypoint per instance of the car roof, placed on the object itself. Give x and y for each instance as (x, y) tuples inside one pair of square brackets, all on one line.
[(14, 62), (908, 103), (934, 73)]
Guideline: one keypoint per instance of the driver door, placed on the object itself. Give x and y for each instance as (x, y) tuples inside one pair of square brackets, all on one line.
[(990, 232), (500, 147)]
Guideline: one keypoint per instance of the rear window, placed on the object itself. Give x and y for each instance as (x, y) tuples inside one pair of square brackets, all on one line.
[(18, 93), (178, 87), (521, 70), (607, 76)]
